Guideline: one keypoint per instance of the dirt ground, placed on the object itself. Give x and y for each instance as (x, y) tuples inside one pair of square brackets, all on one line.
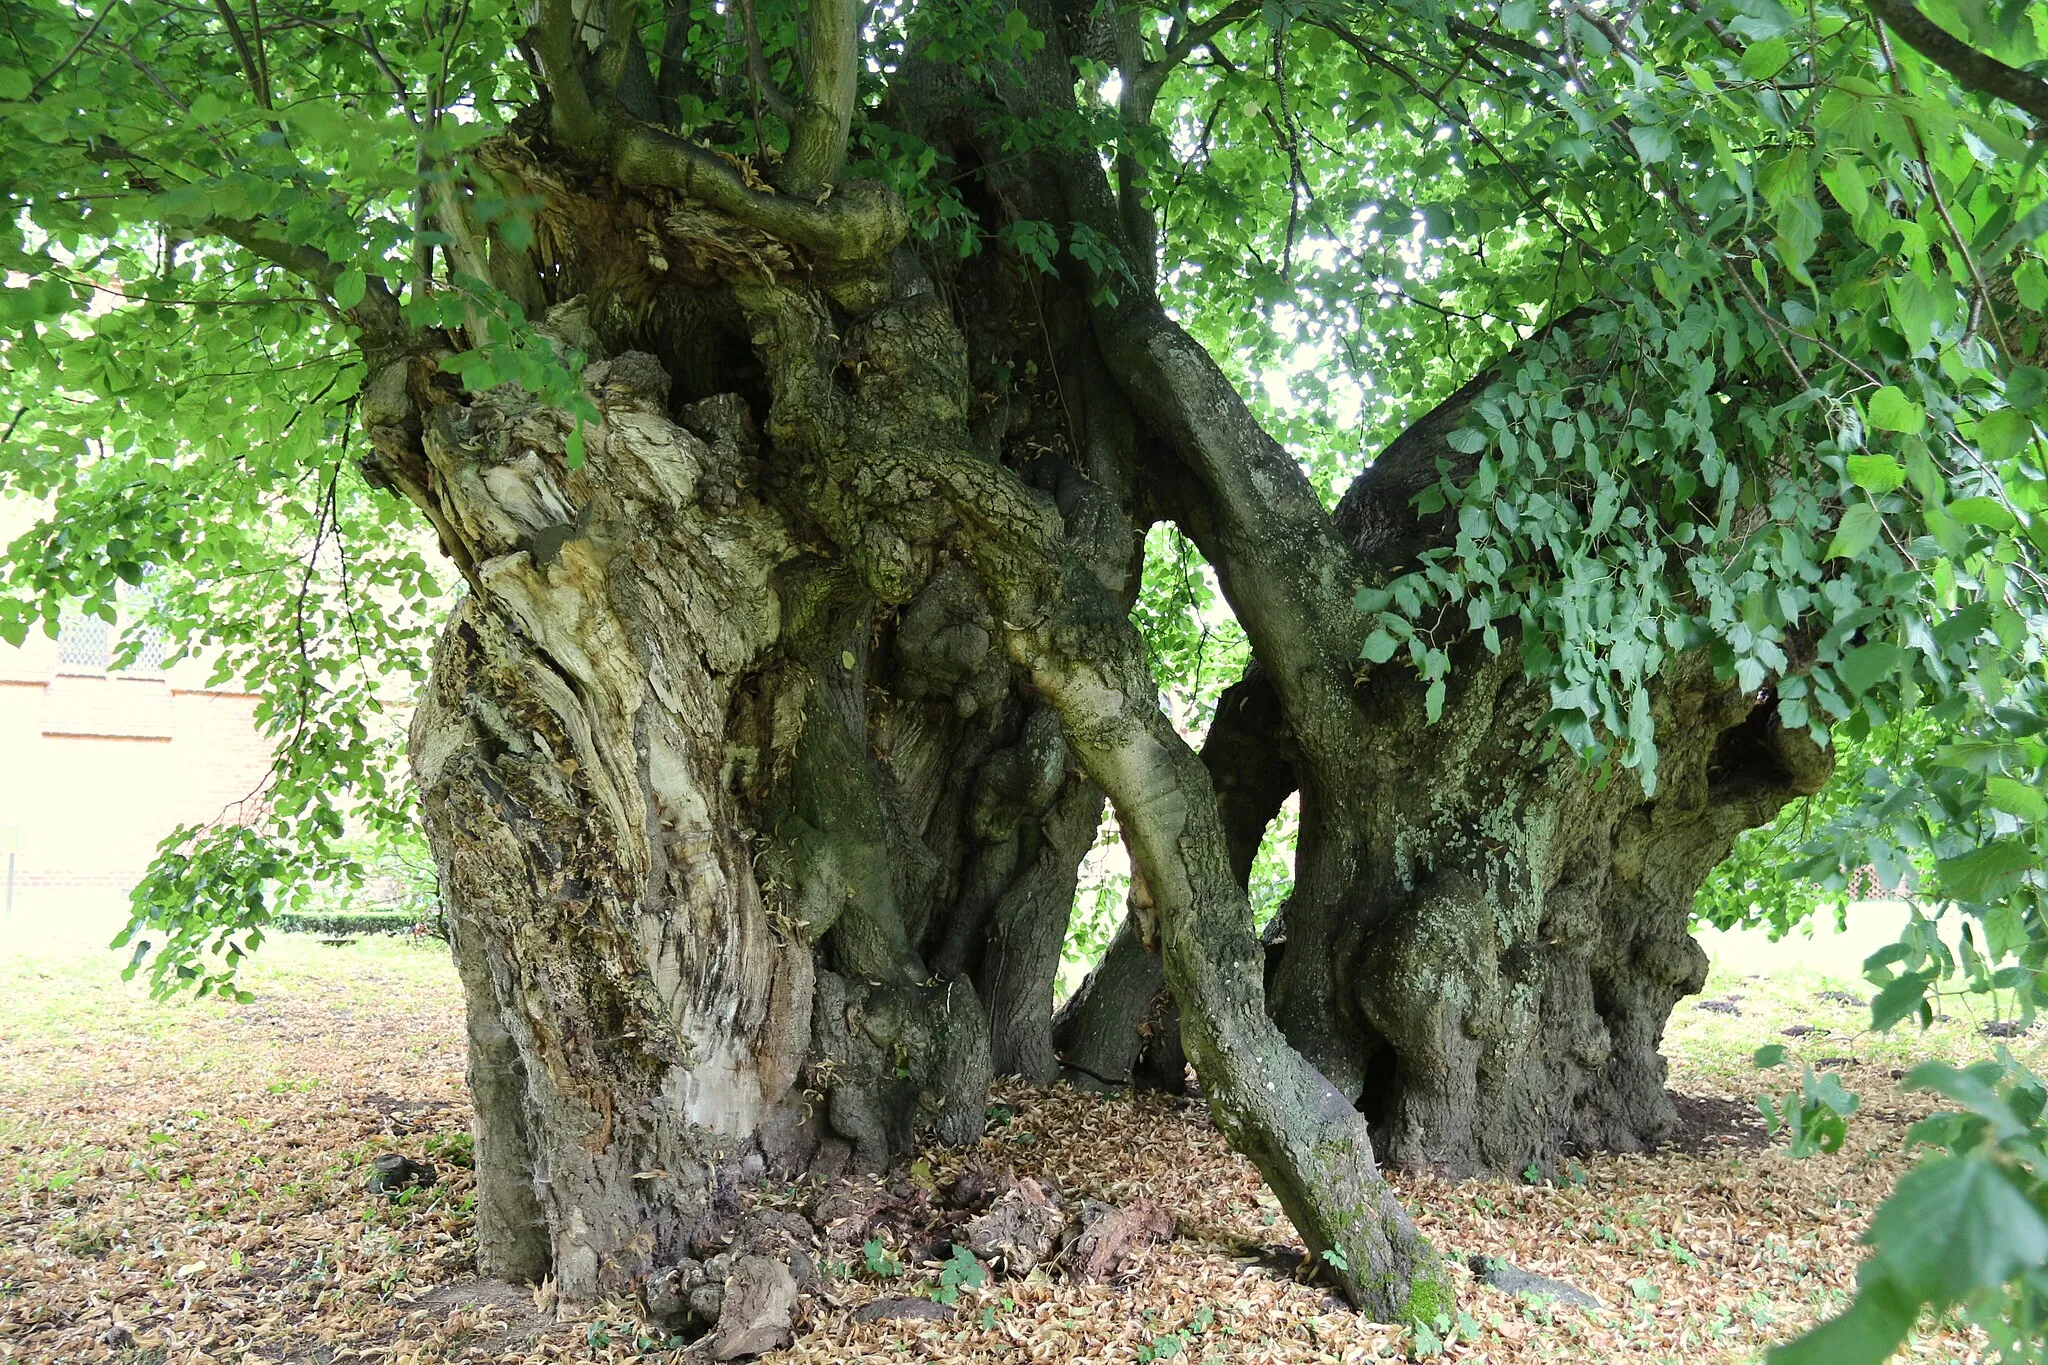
[(185, 1182)]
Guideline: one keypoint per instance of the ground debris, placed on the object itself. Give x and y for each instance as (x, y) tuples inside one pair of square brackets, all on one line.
[(902, 1309), (1020, 1228), (757, 1312), (394, 1171), (193, 1174), (1109, 1236)]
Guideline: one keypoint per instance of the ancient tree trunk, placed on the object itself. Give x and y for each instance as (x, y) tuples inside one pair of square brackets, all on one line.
[(707, 816), (1484, 940), (1493, 991), (747, 827), (637, 1008)]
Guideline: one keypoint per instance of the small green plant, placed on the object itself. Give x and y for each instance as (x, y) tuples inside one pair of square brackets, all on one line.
[(882, 1263), (457, 1149), (1168, 1345), (1337, 1259), (1817, 1115), (961, 1268)]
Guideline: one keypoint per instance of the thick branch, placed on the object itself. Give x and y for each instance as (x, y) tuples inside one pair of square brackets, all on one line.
[(1305, 1138), (824, 111), (851, 229), (385, 331), (1984, 74), (258, 86), (1288, 574)]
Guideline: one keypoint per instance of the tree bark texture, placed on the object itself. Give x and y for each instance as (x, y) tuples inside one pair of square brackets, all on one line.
[(761, 756), (1484, 940)]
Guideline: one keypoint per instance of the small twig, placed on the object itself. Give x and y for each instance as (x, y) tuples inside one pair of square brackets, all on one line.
[(76, 48), (1891, 61)]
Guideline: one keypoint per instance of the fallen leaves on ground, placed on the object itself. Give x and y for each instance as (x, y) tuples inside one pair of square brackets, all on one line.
[(197, 1193)]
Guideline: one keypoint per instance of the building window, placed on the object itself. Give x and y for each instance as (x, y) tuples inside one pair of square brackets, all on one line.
[(86, 643)]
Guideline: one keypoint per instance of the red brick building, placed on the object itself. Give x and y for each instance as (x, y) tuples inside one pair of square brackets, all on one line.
[(98, 764)]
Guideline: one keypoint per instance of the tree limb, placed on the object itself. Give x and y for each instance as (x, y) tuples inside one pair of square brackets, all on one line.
[(852, 229), (757, 68), (1145, 81), (1980, 72), (385, 330), (1287, 572), (824, 111), (259, 87), (65, 60)]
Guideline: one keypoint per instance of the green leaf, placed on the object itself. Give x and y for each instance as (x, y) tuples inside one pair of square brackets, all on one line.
[(1983, 511), (2026, 387), (2003, 434), (2032, 225), (1956, 1224), (1985, 873), (1518, 16), (1866, 1334), (14, 83), (1868, 665), (1916, 309), (1891, 410), (1859, 530), (1845, 180), (1970, 1088), (2031, 279), (1769, 1055), (1899, 999), (1378, 647), (207, 107), (1878, 473), (1766, 59), (2016, 798), (1653, 142), (349, 287)]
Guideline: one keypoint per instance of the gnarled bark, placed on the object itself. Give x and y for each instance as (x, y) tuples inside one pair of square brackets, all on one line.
[(1484, 941), (633, 1006)]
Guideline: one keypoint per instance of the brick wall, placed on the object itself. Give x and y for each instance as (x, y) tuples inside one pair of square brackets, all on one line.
[(97, 767)]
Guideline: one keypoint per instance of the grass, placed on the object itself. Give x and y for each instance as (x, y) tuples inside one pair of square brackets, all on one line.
[(184, 1181)]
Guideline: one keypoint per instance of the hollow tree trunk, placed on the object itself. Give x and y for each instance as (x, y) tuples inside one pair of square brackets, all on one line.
[(727, 842), (1492, 994), (1484, 942)]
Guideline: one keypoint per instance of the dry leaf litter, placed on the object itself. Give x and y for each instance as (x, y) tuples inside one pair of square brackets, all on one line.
[(188, 1184)]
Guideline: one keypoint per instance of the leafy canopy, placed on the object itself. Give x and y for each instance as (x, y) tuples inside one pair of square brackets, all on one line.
[(1754, 293)]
